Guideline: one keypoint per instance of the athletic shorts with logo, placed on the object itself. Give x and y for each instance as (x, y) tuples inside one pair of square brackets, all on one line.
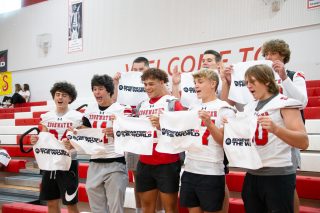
[(61, 184)]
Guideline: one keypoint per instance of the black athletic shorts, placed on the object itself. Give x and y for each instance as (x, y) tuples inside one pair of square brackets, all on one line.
[(164, 177), (61, 184), (268, 193), (204, 191)]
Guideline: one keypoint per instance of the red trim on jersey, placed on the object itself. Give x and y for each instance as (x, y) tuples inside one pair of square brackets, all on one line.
[(158, 158), (153, 100), (301, 75)]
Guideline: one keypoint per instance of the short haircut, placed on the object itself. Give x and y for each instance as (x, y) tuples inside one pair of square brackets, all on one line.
[(26, 87), (155, 73), (263, 74), (64, 87), (208, 74), (103, 80), (142, 59), (279, 46), (215, 53)]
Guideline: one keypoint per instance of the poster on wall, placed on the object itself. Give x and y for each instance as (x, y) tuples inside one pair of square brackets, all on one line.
[(5, 83), (3, 60), (75, 28), (312, 4)]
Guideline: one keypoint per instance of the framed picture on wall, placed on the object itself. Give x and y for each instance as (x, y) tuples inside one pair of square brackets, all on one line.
[(75, 28)]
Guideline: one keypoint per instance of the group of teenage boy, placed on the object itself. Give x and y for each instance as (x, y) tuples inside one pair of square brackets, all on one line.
[(157, 177)]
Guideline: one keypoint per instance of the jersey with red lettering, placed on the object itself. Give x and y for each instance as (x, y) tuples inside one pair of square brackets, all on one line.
[(209, 160), (155, 107), (58, 124), (273, 151), (102, 119)]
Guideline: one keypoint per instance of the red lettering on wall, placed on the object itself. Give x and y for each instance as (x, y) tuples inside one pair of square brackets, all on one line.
[(245, 52), (170, 62), (200, 61), (256, 55), (193, 63), (225, 52)]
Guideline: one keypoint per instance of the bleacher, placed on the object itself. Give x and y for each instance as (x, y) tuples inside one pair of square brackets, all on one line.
[(19, 183)]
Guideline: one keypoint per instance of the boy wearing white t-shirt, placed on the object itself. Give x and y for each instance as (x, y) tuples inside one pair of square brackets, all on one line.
[(203, 181)]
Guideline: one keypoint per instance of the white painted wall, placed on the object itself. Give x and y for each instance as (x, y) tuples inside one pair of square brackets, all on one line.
[(115, 32)]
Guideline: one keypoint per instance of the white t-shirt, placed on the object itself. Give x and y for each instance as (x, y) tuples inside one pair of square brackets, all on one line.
[(209, 161)]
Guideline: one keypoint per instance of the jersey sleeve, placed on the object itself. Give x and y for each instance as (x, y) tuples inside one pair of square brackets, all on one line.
[(296, 88)]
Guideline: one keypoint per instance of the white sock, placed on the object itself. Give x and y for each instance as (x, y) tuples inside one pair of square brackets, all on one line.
[(160, 211), (138, 210)]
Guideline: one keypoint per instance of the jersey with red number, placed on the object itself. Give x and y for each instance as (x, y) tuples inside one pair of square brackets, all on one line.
[(103, 119), (209, 160), (155, 107), (272, 150), (58, 125)]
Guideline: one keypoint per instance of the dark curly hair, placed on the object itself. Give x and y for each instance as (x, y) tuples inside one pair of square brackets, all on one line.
[(103, 80), (155, 73), (278, 46), (64, 87)]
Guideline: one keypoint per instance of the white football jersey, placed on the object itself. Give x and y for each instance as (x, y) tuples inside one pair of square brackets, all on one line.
[(146, 109), (209, 160), (58, 125), (272, 150), (102, 119)]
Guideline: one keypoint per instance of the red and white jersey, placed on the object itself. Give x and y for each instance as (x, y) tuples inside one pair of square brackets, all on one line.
[(102, 119), (272, 150), (148, 108), (58, 125), (209, 160)]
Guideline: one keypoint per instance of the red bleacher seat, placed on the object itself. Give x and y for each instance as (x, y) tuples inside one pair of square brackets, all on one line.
[(27, 121), (314, 101), (83, 170), (15, 165), (313, 91), (26, 139), (7, 115), (312, 113), (82, 193), (14, 151), (313, 83), (13, 110), (37, 114), (25, 208), (37, 103)]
